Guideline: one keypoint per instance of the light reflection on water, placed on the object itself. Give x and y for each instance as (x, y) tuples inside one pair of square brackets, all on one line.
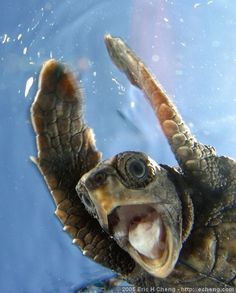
[(192, 50)]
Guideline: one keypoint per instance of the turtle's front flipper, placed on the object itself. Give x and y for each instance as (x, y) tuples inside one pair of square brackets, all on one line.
[(198, 161), (66, 150)]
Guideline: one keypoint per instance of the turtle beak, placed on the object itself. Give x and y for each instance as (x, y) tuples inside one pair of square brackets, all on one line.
[(137, 219), (92, 191)]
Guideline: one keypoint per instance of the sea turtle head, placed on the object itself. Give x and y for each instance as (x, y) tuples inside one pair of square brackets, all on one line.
[(136, 202)]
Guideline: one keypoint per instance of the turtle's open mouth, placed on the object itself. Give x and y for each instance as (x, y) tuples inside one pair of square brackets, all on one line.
[(145, 225), (141, 227), (140, 230)]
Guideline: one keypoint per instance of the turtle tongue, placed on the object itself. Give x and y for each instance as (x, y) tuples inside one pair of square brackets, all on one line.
[(145, 235)]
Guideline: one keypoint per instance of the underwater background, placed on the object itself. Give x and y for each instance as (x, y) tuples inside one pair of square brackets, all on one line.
[(191, 48)]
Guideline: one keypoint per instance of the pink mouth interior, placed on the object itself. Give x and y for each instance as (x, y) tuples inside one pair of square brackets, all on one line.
[(141, 227)]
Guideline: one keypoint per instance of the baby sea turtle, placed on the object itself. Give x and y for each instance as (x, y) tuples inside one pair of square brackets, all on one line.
[(157, 226)]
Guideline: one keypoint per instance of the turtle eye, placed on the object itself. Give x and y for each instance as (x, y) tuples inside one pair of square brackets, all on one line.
[(85, 199), (137, 168), (87, 202)]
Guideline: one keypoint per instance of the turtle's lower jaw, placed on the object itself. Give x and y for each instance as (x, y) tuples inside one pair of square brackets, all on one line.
[(138, 206), (140, 230)]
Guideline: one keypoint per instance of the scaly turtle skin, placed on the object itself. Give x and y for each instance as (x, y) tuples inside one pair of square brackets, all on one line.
[(157, 226)]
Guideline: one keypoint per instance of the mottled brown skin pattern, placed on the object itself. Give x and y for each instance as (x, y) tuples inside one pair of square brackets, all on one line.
[(66, 151), (208, 257)]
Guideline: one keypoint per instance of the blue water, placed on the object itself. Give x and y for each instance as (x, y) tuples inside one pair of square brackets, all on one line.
[(191, 47)]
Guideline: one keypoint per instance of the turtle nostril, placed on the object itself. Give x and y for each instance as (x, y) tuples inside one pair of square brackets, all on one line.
[(95, 180), (99, 178)]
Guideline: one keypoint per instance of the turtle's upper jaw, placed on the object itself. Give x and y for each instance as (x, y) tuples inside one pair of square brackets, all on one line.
[(145, 221)]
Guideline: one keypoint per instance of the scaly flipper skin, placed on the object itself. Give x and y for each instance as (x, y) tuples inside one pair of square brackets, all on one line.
[(66, 150), (191, 211), (211, 248), (196, 160)]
